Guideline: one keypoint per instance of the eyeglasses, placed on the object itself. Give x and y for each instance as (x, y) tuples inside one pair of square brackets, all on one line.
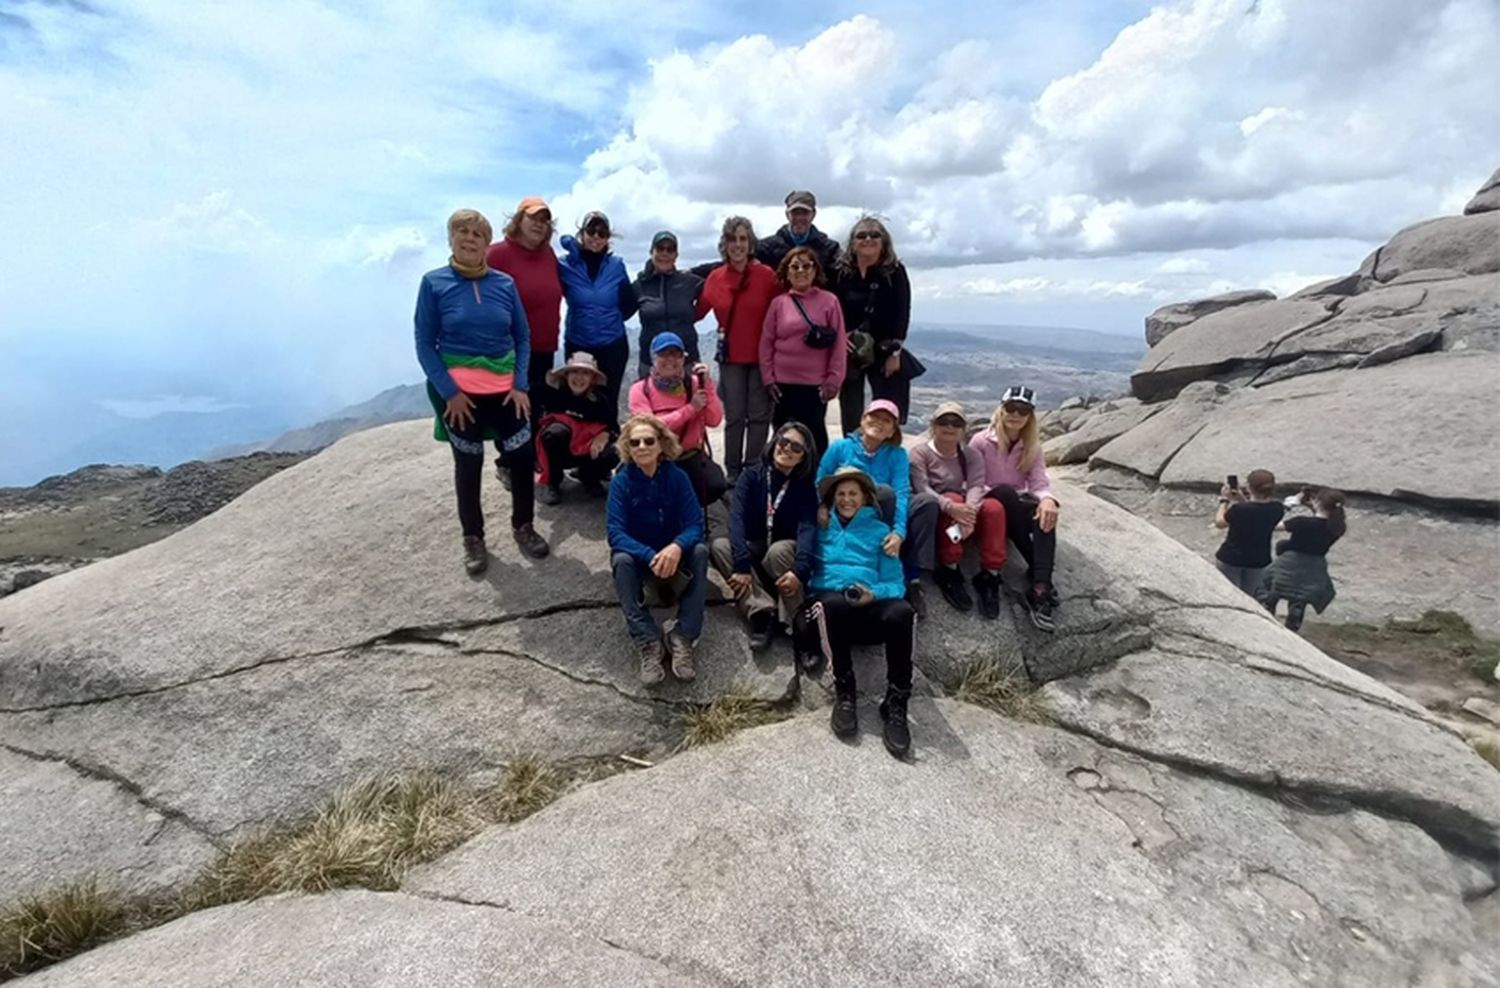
[(800, 266), (1016, 409), (636, 442), (867, 235), (790, 444)]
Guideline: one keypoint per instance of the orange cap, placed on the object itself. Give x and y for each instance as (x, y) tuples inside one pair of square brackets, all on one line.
[(532, 205)]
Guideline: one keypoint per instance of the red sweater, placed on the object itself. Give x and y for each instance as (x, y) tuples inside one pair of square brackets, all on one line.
[(535, 275), (749, 314)]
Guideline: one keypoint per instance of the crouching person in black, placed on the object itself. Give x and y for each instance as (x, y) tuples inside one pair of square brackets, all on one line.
[(579, 429), (772, 534), (861, 600)]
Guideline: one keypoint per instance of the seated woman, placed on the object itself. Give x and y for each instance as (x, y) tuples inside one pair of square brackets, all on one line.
[(860, 601), (578, 430), (1300, 573), (688, 405), (876, 449), (655, 528), (1016, 474), (772, 534), (945, 469)]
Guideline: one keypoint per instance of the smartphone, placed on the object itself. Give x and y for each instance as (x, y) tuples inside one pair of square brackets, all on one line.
[(1233, 480), (954, 533)]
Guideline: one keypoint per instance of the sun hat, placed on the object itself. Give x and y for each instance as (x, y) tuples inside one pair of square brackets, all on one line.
[(949, 408), (801, 199), (666, 341), (826, 487), (531, 205), (1019, 395), (579, 361)]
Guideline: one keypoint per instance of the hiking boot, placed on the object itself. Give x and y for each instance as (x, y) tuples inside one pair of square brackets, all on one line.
[(1041, 602), (762, 630), (476, 556), (845, 718), (652, 670), (682, 656), (917, 598), (549, 494), (897, 735), (951, 583), (530, 542), (987, 589)]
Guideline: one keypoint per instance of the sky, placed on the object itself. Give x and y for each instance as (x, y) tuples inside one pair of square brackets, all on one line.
[(222, 205)]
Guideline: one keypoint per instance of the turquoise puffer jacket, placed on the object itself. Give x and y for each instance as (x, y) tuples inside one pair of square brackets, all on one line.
[(850, 553)]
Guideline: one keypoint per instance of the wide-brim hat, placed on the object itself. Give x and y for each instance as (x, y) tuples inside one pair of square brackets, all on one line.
[(579, 361), (825, 489)]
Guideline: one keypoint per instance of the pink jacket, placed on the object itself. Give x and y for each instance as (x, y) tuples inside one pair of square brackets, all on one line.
[(687, 423), (1004, 467), (785, 359)]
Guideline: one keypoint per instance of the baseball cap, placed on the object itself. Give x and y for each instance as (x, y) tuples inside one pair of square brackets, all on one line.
[(950, 408), (667, 341), (1019, 395), (662, 237), (801, 199), (532, 205)]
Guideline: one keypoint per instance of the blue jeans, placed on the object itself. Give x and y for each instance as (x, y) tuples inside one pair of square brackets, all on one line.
[(689, 584)]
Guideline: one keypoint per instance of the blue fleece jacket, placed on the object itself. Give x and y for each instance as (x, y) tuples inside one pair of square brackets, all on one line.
[(796, 517), (469, 317), (889, 465), (645, 513), (594, 316), (850, 553)]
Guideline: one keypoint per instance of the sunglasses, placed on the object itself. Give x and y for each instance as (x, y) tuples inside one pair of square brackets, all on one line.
[(949, 421), (788, 443), (597, 232), (867, 235), (799, 266), (636, 442), (1016, 409)]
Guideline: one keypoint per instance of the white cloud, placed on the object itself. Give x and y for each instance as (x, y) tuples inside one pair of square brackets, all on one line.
[(213, 225), (1183, 265)]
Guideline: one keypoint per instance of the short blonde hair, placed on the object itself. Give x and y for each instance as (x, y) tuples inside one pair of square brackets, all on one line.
[(470, 217), (665, 440)]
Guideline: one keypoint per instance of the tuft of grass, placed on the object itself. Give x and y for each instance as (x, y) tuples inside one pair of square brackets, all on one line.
[(1437, 637), (728, 714), (986, 684), (1488, 748), (530, 784), (42, 929)]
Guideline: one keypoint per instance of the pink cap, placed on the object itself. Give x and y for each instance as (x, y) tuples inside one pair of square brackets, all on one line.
[(884, 405)]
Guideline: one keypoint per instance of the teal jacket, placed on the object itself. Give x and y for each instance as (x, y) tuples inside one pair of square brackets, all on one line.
[(889, 465), (850, 553)]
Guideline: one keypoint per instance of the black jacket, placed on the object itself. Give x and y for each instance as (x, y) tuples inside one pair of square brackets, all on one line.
[(796, 518), (591, 406), (771, 250), (879, 304), (667, 303)]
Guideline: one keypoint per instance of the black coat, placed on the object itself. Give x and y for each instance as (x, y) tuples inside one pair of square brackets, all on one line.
[(796, 518), (667, 303), (771, 250), (878, 303)]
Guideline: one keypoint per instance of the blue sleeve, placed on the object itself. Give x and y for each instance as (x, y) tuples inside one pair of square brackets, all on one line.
[(520, 332), (630, 302), (830, 462), (739, 547), (901, 483), (890, 576), (689, 512), (428, 321), (619, 539)]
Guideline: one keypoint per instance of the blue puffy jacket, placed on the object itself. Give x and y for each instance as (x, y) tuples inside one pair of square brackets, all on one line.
[(849, 553), (595, 317), (888, 465), (645, 513)]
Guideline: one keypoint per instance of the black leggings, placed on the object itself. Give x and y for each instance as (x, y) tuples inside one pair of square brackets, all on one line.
[(803, 403), (891, 623), (613, 360), (1038, 548), (896, 388), (492, 412)]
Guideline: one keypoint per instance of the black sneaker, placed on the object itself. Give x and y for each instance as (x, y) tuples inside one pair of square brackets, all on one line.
[(897, 734), (950, 582), (845, 719), (476, 556), (1040, 604), (987, 589), (549, 494), (531, 543), (917, 598), (762, 630)]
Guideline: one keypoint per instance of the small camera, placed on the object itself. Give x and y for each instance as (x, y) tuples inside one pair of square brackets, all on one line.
[(854, 593), (954, 533)]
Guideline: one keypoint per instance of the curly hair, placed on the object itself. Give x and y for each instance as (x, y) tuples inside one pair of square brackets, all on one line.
[(666, 441), (783, 277), (849, 264), (730, 226)]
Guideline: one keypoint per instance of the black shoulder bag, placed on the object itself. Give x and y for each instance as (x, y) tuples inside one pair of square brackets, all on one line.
[(818, 336)]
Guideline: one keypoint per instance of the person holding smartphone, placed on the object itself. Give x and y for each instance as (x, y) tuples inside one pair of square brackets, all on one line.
[(1249, 514), (689, 405), (861, 600)]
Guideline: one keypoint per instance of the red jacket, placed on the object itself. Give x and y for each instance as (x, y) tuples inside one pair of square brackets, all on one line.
[(535, 275), (718, 294)]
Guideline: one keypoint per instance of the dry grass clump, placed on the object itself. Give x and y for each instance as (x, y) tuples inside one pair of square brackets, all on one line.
[(727, 715), (43, 929), (530, 784), (1451, 632), (1488, 748), (986, 684)]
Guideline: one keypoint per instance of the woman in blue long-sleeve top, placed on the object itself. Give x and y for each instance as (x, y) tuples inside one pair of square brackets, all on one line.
[(600, 298), (475, 349)]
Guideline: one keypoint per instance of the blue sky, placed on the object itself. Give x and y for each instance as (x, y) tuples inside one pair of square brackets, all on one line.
[(232, 202)]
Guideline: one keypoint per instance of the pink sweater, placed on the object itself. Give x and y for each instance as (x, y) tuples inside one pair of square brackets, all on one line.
[(686, 422), (1004, 466), (785, 359), (932, 471)]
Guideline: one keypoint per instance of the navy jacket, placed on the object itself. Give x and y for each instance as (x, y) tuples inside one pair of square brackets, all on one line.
[(599, 304), (796, 518), (645, 513)]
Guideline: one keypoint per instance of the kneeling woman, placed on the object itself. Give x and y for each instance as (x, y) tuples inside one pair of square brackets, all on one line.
[(578, 430), (861, 597)]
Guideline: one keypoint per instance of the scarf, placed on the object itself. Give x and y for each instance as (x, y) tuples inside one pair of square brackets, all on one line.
[(677, 386), (474, 273)]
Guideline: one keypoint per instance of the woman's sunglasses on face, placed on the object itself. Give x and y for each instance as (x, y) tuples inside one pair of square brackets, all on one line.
[(799, 266), (867, 235), (790, 444), (1017, 409), (636, 442)]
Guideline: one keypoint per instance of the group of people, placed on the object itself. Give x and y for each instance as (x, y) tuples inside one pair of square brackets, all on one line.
[(1298, 573), (828, 540)]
